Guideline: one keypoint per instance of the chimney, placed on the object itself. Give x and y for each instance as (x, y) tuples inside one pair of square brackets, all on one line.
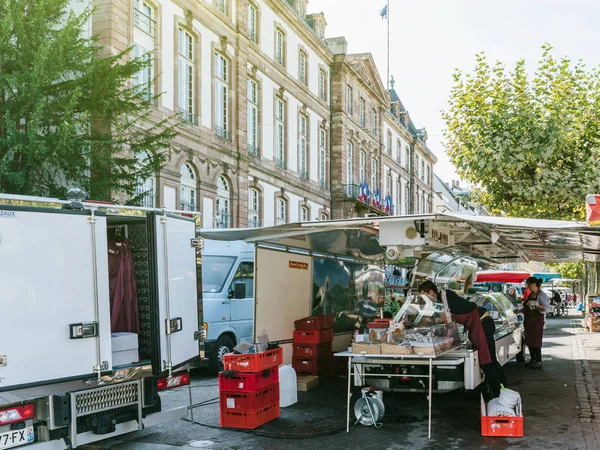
[(338, 45)]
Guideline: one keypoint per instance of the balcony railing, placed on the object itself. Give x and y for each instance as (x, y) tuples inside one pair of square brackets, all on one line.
[(222, 220), (144, 22), (323, 183), (303, 175), (279, 162), (222, 133), (350, 191), (252, 149), (187, 116), (187, 205)]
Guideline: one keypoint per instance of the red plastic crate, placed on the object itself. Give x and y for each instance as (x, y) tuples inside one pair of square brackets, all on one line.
[(248, 382), (312, 350), (315, 322), (255, 362), (501, 426), (249, 420), (324, 369), (311, 364), (250, 401), (313, 336)]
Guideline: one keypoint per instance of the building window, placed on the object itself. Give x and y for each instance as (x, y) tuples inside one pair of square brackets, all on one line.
[(281, 211), (363, 112), (145, 187), (406, 200), (374, 122), (303, 68), (399, 152), (280, 134), (221, 97), (252, 134), (349, 163), (320, 29), (428, 177), (280, 47), (223, 218), (323, 158), (144, 79), (373, 175), (252, 23), (253, 208), (187, 191), (418, 202), (389, 142), (322, 85), (324, 216), (407, 157), (143, 17), (398, 205), (349, 100), (422, 170), (301, 7), (304, 214), (423, 210), (222, 6), (185, 70), (362, 161), (302, 144), (388, 186)]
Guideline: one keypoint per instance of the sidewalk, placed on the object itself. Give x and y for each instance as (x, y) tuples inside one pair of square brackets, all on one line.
[(561, 407)]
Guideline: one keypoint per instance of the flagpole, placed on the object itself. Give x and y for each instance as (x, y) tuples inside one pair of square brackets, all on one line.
[(388, 45)]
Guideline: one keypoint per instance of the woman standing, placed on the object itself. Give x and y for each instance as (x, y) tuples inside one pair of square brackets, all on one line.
[(512, 295), (534, 307)]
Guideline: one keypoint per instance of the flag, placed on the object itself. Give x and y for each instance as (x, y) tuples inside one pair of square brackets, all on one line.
[(387, 203), (383, 13), (367, 193), (361, 191)]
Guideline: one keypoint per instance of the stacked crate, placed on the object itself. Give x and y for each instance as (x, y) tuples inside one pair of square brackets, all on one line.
[(313, 353), (249, 389)]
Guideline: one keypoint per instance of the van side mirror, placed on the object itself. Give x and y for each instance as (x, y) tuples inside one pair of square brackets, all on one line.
[(239, 290)]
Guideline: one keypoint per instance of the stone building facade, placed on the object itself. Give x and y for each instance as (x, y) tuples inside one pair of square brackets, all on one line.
[(249, 81)]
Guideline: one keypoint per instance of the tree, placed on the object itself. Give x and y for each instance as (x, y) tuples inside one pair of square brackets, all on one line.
[(70, 115), (529, 144)]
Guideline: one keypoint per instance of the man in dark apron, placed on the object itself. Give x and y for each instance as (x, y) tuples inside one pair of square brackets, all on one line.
[(480, 327), (534, 307)]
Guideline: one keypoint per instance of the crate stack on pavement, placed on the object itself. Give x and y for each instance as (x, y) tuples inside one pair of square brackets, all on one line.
[(313, 353), (249, 389)]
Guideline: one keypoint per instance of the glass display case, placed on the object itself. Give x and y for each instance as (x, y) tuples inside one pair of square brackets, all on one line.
[(423, 327), (500, 308)]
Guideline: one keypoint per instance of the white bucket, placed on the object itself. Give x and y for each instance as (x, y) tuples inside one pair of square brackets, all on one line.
[(509, 398), (377, 392)]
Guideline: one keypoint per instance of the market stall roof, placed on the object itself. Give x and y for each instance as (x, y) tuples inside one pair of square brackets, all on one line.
[(545, 276), (498, 276), (499, 239)]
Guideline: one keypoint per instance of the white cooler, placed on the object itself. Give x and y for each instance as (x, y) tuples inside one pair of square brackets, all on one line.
[(124, 349)]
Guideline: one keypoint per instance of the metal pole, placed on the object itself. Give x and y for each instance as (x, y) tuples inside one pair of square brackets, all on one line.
[(430, 395), (349, 394), (388, 46), (190, 393), (169, 363), (92, 221)]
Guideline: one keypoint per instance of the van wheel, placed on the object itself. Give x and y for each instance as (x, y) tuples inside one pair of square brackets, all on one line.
[(224, 345)]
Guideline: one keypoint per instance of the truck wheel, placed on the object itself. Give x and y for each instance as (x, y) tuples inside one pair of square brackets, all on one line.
[(224, 345)]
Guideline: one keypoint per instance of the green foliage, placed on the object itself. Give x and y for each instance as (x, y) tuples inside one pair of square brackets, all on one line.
[(529, 144), (570, 270), (69, 114)]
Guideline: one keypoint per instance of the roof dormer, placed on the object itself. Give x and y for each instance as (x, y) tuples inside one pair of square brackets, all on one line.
[(318, 23)]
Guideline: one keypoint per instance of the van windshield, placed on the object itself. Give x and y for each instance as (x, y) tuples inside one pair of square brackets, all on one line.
[(215, 270)]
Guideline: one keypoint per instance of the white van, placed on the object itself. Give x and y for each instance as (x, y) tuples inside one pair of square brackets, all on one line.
[(227, 298)]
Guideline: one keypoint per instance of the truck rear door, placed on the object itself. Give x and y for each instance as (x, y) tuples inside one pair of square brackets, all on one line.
[(50, 329), (176, 288)]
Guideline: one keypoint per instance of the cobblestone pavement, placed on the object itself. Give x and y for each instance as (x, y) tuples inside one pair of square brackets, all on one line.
[(561, 407)]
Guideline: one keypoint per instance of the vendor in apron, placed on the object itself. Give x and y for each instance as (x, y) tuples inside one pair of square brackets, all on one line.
[(480, 327), (534, 308)]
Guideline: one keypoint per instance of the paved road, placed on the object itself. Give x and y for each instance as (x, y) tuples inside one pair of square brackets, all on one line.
[(560, 403)]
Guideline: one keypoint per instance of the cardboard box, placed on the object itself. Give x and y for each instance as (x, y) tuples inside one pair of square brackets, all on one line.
[(307, 383)]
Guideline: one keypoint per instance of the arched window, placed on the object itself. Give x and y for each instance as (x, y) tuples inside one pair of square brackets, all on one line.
[(324, 216), (304, 214), (145, 188), (361, 166), (187, 190), (281, 211), (253, 208), (223, 218)]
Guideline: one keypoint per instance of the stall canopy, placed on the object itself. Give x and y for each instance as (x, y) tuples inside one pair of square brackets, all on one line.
[(496, 276), (498, 239), (545, 276)]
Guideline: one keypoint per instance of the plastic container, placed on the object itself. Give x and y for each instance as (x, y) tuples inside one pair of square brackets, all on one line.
[(288, 388), (254, 362), (501, 426), (324, 370), (246, 401), (509, 398), (310, 365), (248, 382), (315, 322), (249, 420), (312, 350), (313, 336)]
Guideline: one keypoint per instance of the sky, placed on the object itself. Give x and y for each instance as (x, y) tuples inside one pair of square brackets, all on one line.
[(429, 39)]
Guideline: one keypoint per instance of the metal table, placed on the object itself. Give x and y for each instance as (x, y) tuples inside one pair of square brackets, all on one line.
[(355, 360)]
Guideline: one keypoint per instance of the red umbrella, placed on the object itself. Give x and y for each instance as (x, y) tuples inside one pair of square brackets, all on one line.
[(496, 276)]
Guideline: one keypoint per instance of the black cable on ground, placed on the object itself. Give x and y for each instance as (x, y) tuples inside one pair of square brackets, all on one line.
[(271, 434)]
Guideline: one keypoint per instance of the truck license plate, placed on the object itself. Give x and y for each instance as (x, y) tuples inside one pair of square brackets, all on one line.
[(14, 438)]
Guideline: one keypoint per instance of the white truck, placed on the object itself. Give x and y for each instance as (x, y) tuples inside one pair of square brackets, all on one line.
[(66, 378)]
